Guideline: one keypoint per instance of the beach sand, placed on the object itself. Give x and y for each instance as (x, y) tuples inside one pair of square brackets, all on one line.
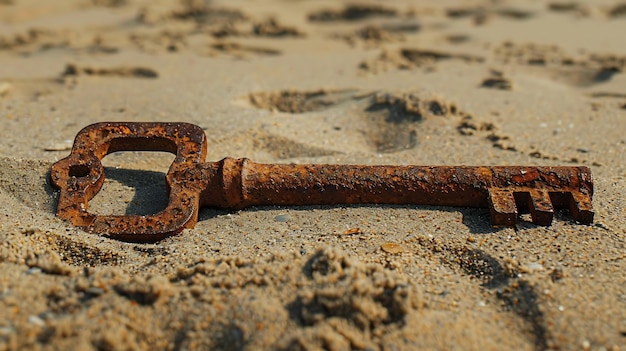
[(277, 81)]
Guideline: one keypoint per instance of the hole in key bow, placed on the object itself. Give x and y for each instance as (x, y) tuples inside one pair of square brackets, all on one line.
[(134, 184), (78, 171)]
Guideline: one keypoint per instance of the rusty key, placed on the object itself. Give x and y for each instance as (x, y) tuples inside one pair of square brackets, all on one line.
[(240, 183)]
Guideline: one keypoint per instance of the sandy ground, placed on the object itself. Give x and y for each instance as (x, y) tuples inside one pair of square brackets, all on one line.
[(531, 83)]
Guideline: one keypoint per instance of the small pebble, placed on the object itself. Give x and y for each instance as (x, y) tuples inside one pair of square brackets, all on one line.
[(34, 270), (281, 218), (36, 320), (392, 248), (95, 291), (531, 267)]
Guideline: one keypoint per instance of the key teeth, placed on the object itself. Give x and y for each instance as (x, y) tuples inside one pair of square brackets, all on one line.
[(540, 206), (502, 207), (581, 208)]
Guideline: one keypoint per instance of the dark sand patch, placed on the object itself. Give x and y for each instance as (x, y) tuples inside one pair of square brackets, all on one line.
[(110, 3), (353, 13), (481, 15), (457, 38), (201, 13), (242, 51), (617, 10), (566, 6), (73, 70), (272, 28), (606, 94), (371, 36), (497, 80)]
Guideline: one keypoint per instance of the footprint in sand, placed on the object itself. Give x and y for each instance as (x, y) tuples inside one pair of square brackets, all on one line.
[(390, 121), (394, 119)]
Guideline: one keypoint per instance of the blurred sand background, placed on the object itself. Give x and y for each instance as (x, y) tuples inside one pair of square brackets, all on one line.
[(295, 81)]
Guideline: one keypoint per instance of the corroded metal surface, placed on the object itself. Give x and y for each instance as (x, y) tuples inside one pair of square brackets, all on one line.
[(240, 183)]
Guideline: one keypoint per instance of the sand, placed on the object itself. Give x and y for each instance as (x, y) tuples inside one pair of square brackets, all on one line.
[(513, 83)]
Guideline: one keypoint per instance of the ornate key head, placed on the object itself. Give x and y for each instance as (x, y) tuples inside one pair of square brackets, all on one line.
[(80, 176)]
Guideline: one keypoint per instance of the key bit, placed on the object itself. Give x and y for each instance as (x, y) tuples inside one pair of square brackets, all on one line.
[(240, 183)]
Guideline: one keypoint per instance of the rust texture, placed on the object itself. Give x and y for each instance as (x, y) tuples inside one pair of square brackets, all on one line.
[(240, 183)]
